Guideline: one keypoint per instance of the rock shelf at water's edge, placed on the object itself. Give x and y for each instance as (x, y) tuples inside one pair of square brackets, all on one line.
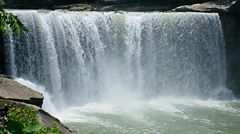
[(14, 94)]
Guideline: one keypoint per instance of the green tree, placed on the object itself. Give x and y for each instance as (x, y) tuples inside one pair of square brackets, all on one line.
[(9, 21)]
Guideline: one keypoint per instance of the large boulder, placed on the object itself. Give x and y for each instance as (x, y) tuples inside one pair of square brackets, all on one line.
[(12, 90), (45, 119)]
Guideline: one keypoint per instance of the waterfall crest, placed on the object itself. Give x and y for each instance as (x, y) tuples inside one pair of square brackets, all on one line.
[(89, 56)]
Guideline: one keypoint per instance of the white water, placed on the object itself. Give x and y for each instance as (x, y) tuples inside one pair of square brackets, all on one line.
[(47, 102), (96, 67)]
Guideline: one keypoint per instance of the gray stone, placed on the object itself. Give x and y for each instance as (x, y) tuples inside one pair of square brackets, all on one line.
[(2, 2), (81, 7), (12, 90), (213, 6), (48, 120)]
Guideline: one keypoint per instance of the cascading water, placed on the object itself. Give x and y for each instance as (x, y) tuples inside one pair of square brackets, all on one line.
[(84, 57), (81, 57)]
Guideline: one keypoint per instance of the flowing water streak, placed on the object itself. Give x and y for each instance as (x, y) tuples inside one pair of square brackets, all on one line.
[(12, 56), (82, 57)]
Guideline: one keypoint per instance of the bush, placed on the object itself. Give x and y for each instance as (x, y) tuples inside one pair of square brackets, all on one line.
[(25, 121), (8, 20)]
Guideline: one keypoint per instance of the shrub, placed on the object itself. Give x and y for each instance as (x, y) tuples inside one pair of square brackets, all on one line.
[(8, 20), (25, 121)]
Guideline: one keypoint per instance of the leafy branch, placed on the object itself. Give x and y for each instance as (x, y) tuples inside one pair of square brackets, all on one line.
[(9, 21)]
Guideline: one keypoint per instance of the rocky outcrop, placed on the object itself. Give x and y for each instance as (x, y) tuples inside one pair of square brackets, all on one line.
[(235, 8), (14, 94), (45, 118), (12, 90), (127, 5), (213, 6), (76, 7), (103, 5), (231, 29)]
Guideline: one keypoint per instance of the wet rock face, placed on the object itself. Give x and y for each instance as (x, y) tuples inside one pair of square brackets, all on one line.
[(235, 8), (12, 90), (231, 29), (2, 55)]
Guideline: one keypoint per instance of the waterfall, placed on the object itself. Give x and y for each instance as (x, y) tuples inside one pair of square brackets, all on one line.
[(81, 57)]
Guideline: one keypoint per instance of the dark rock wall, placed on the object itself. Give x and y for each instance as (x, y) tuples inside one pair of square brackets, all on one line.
[(35, 4), (151, 2), (2, 55), (231, 29)]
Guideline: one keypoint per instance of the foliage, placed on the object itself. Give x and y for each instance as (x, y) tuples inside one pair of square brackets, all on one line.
[(25, 116), (25, 121), (38, 129), (4, 131), (9, 20), (50, 130)]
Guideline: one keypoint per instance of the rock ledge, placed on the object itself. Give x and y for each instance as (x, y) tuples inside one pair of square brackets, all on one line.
[(14, 94), (12, 90)]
